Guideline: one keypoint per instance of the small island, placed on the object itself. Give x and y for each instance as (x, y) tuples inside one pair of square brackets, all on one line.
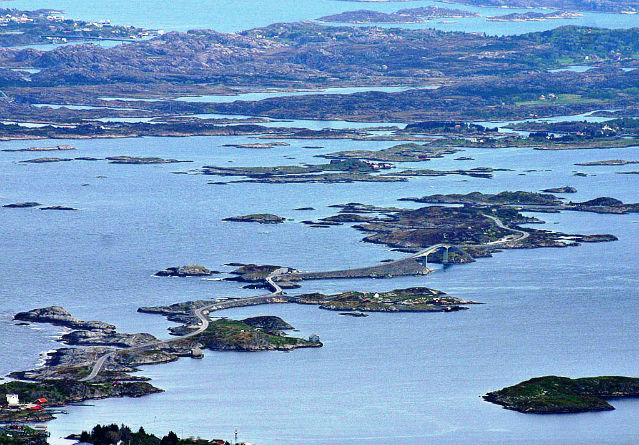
[(561, 395), (253, 334), (261, 218), (416, 299), (409, 15), (190, 270), (565, 189), (54, 148), (22, 205), (534, 17)]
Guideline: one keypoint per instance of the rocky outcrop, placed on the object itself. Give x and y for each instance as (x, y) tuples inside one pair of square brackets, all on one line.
[(178, 312), (22, 205), (261, 218), (45, 160), (58, 208), (138, 160), (270, 324), (107, 338), (565, 189), (232, 335), (190, 270), (59, 316), (415, 299)]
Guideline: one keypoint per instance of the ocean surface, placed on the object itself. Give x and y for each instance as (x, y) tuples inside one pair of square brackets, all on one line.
[(234, 15), (388, 377), (383, 379)]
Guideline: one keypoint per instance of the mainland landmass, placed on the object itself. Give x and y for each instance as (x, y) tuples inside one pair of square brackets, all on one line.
[(560, 395), (18, 434), (51, 26), (480, 78)]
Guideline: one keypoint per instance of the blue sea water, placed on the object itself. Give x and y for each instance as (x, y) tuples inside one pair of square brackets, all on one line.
[(387, 378), (414, 378), (234, 16)]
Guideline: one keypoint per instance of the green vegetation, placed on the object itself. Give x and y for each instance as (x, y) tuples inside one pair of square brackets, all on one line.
[(503, 198), (226, 334), (22, 435), (552, 394), (47, 26), (416, 299), (62, 392), (398, 153)]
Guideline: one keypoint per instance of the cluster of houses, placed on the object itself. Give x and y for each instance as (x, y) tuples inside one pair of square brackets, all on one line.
[(8, 16), (13, 403), (378, 165)]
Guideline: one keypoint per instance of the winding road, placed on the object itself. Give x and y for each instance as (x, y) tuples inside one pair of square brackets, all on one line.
[(203, 325), (277, 291)]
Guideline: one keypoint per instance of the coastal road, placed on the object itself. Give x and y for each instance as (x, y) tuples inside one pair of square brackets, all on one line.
[(204, 322), (498, 222)]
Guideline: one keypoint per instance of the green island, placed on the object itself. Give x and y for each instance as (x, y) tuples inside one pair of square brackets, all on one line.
[(232, 335), (418, 299), (409, 15), (22, 435), (61, 392), (559, 395)]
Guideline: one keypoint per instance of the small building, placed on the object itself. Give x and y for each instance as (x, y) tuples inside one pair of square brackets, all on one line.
[(196, 352), (314, 338), (13, 400)]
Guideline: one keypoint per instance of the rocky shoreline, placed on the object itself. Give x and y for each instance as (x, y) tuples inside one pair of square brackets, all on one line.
[(62, 380), (562, 395)]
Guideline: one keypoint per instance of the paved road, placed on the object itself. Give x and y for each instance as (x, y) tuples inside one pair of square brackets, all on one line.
[(523, 234), (203, 325), (277, 291)]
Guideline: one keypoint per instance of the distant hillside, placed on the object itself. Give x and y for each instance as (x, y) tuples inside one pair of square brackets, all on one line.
[(616, 6)]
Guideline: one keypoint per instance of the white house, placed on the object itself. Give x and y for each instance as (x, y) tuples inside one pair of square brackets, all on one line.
[(13, 400)]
